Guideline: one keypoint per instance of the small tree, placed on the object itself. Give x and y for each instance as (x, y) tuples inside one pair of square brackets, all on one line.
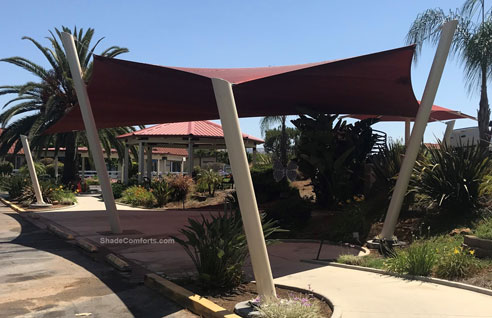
[(211, 178)]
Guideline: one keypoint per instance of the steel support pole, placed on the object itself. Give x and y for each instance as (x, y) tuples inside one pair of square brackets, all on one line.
[(126, 165), (190, 157), (149, 162), (91, 131), (56, 168), (407, 131), (244, 187), (418, 130), (449, 130), (141, 167), (32, 172)]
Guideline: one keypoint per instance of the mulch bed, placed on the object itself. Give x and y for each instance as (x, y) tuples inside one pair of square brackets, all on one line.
[(247, 291)]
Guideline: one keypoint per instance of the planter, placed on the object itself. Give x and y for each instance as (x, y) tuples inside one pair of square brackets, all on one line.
[(482, 247)]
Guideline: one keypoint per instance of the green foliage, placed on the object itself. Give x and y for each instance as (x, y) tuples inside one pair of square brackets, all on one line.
[(296, 306), (14, 185), (118, 189), (28, 195), (333, 155), (386, 165), (39, 167), (92, 181), (161, 191), (451, 177), (217, 246), (417, 259), (62, 195), (273, 140), (211, 179), (484, 229), (266, 188), (290, 213), (50, 169), (6, 167), (366, 261), (39, 103), (263, 161), (456, 263), (180, 185), (139, 196)]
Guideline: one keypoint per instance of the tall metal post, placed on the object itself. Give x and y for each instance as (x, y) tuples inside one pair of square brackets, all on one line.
[(418, 130), (126, 165), (149, 162), (407, 131), (32, 172), (244, 187), (449, 130), (141, 163), (91, 131)]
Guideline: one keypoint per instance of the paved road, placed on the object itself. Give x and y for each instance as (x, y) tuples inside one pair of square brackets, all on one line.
[(43, 276)]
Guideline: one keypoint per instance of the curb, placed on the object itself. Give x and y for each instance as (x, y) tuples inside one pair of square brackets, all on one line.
[(363, 251), (118, 263), (438, 281), (12, 206), (59, 232), (195, 303), (86, 245)]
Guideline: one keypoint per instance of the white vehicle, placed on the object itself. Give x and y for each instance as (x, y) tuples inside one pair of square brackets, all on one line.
[(465, 136)]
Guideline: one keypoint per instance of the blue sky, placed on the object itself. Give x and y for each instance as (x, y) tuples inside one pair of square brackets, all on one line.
[(239, 34)]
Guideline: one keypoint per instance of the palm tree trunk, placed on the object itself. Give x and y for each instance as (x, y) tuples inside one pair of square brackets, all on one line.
[(283, 143), (70, 163), (484, 112)]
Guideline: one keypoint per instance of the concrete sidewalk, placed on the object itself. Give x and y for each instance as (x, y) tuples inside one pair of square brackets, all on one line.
[(360, 294)]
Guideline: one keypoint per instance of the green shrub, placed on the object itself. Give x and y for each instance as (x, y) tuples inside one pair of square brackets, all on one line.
[(366, 261), (484, 229), (39, 167), (63, 196), (451, 177), (266, 188), (92, 181), (456, 263), (6, 167), (211, 179), (28, 195), (161, 191), (417, 259), (333, 155), (217, 246), (292, 212), (118, 189), (139, 196), (47, 161), (50, 169), (299, 306), (180, 185), (386, 165), (14, 185)]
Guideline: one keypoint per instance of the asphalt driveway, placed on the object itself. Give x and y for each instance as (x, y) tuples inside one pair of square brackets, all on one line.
[(44, 276)]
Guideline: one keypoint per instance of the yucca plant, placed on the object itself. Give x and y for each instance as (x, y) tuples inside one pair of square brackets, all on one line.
[(217, 246), (451, 177), (211, 179)]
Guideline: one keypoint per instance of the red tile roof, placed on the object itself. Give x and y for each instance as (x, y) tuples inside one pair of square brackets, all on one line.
[(204, 128)]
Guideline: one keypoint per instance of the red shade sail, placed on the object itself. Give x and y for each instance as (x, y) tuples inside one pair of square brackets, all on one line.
[(124, 93), (438, 113)]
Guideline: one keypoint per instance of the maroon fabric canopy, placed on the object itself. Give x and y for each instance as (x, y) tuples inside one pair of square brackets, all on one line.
[(124, 93), (438, 113)]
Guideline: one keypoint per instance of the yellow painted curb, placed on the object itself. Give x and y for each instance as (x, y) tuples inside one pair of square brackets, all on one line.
[(189, 300), (12, 206)]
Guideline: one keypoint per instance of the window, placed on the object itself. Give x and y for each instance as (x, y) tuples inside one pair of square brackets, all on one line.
[(175, 166)]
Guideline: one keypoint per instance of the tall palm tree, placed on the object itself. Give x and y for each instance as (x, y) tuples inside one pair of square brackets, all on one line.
[(471, 43), (266, 123), (38, 105)]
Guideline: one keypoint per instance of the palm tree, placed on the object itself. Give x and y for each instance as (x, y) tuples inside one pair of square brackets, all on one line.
[(266, 123), (43, 103), (471, 43)]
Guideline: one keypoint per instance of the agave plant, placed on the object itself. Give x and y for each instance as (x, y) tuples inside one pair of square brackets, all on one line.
[(218, 248), (451, 177)]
